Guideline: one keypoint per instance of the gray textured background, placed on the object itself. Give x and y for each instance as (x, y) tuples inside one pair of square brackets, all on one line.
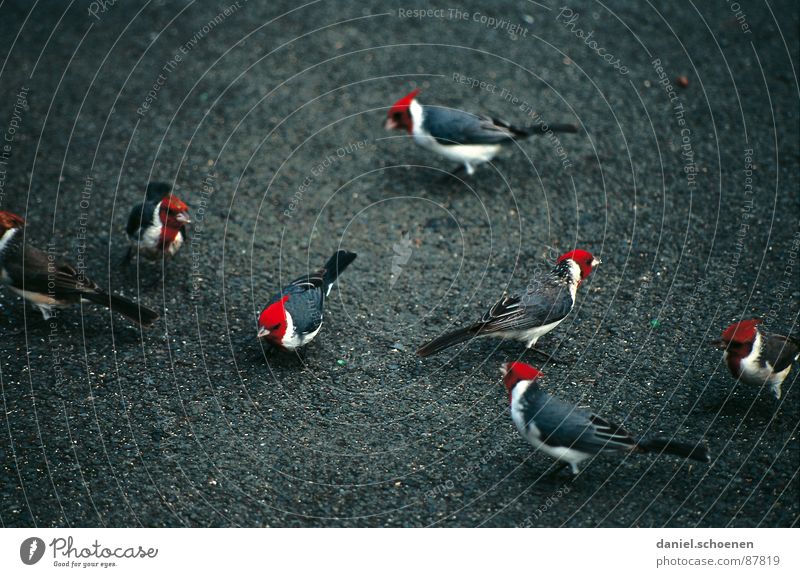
[(191, 423)]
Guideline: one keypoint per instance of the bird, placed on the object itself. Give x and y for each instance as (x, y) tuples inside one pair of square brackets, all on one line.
[(573, 434), (467, 138), (157, 226), (757, 358), (293, 317), (48, 281), (547, 301)]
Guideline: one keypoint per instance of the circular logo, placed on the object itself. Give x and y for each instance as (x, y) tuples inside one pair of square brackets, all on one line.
[(31, 550)]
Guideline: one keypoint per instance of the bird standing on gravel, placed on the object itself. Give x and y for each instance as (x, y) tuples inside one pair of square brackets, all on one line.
[(547, 301), (462, 136), (156, 227), (571, 434), (293, 317), (757, 358), (47, 281)]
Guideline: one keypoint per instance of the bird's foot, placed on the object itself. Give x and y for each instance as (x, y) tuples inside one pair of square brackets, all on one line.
[(558, 470), (549, 357), (126, 260)]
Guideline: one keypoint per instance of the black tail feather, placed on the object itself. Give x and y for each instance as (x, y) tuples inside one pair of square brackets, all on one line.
[(543, 128), (336, 264), (124, 306), (448, 340), (696, 451)]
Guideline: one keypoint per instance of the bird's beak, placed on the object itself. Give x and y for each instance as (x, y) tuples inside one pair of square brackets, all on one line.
[(718, 343), (183, 217), (262, 332), (596, 261), (389, 124)]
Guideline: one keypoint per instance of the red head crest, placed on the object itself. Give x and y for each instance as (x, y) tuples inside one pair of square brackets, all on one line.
[(272, 321), (583, 259), (174, 212), (515, 372), (399, 116), (9, 220), (741, 332)]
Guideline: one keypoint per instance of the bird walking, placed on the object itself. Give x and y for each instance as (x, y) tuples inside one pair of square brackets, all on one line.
[(571, 434), (157, 227), (757, 358), (293, 317), (49, 282), (527, 317), (467, 138)]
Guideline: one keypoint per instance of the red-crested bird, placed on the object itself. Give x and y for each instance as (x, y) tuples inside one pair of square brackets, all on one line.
[(758, 358), (571, 434), (527, 317), (293, 317), (157, 227), (467, 138)]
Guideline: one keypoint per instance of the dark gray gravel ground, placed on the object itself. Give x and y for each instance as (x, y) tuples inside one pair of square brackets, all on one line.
[(270, 124)]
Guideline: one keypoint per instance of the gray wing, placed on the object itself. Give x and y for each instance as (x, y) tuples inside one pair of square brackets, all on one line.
[(452, 126), (306, 299), (543, 306), (564, 425), (780, 351)]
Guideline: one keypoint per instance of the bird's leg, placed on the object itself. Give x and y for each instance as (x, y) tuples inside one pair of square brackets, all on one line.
[(302, 354), (560, 466), (550, 358), (126, 260), (461, 168)]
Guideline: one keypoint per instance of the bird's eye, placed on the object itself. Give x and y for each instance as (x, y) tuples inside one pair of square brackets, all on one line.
[(274, 327), (397, 115)]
